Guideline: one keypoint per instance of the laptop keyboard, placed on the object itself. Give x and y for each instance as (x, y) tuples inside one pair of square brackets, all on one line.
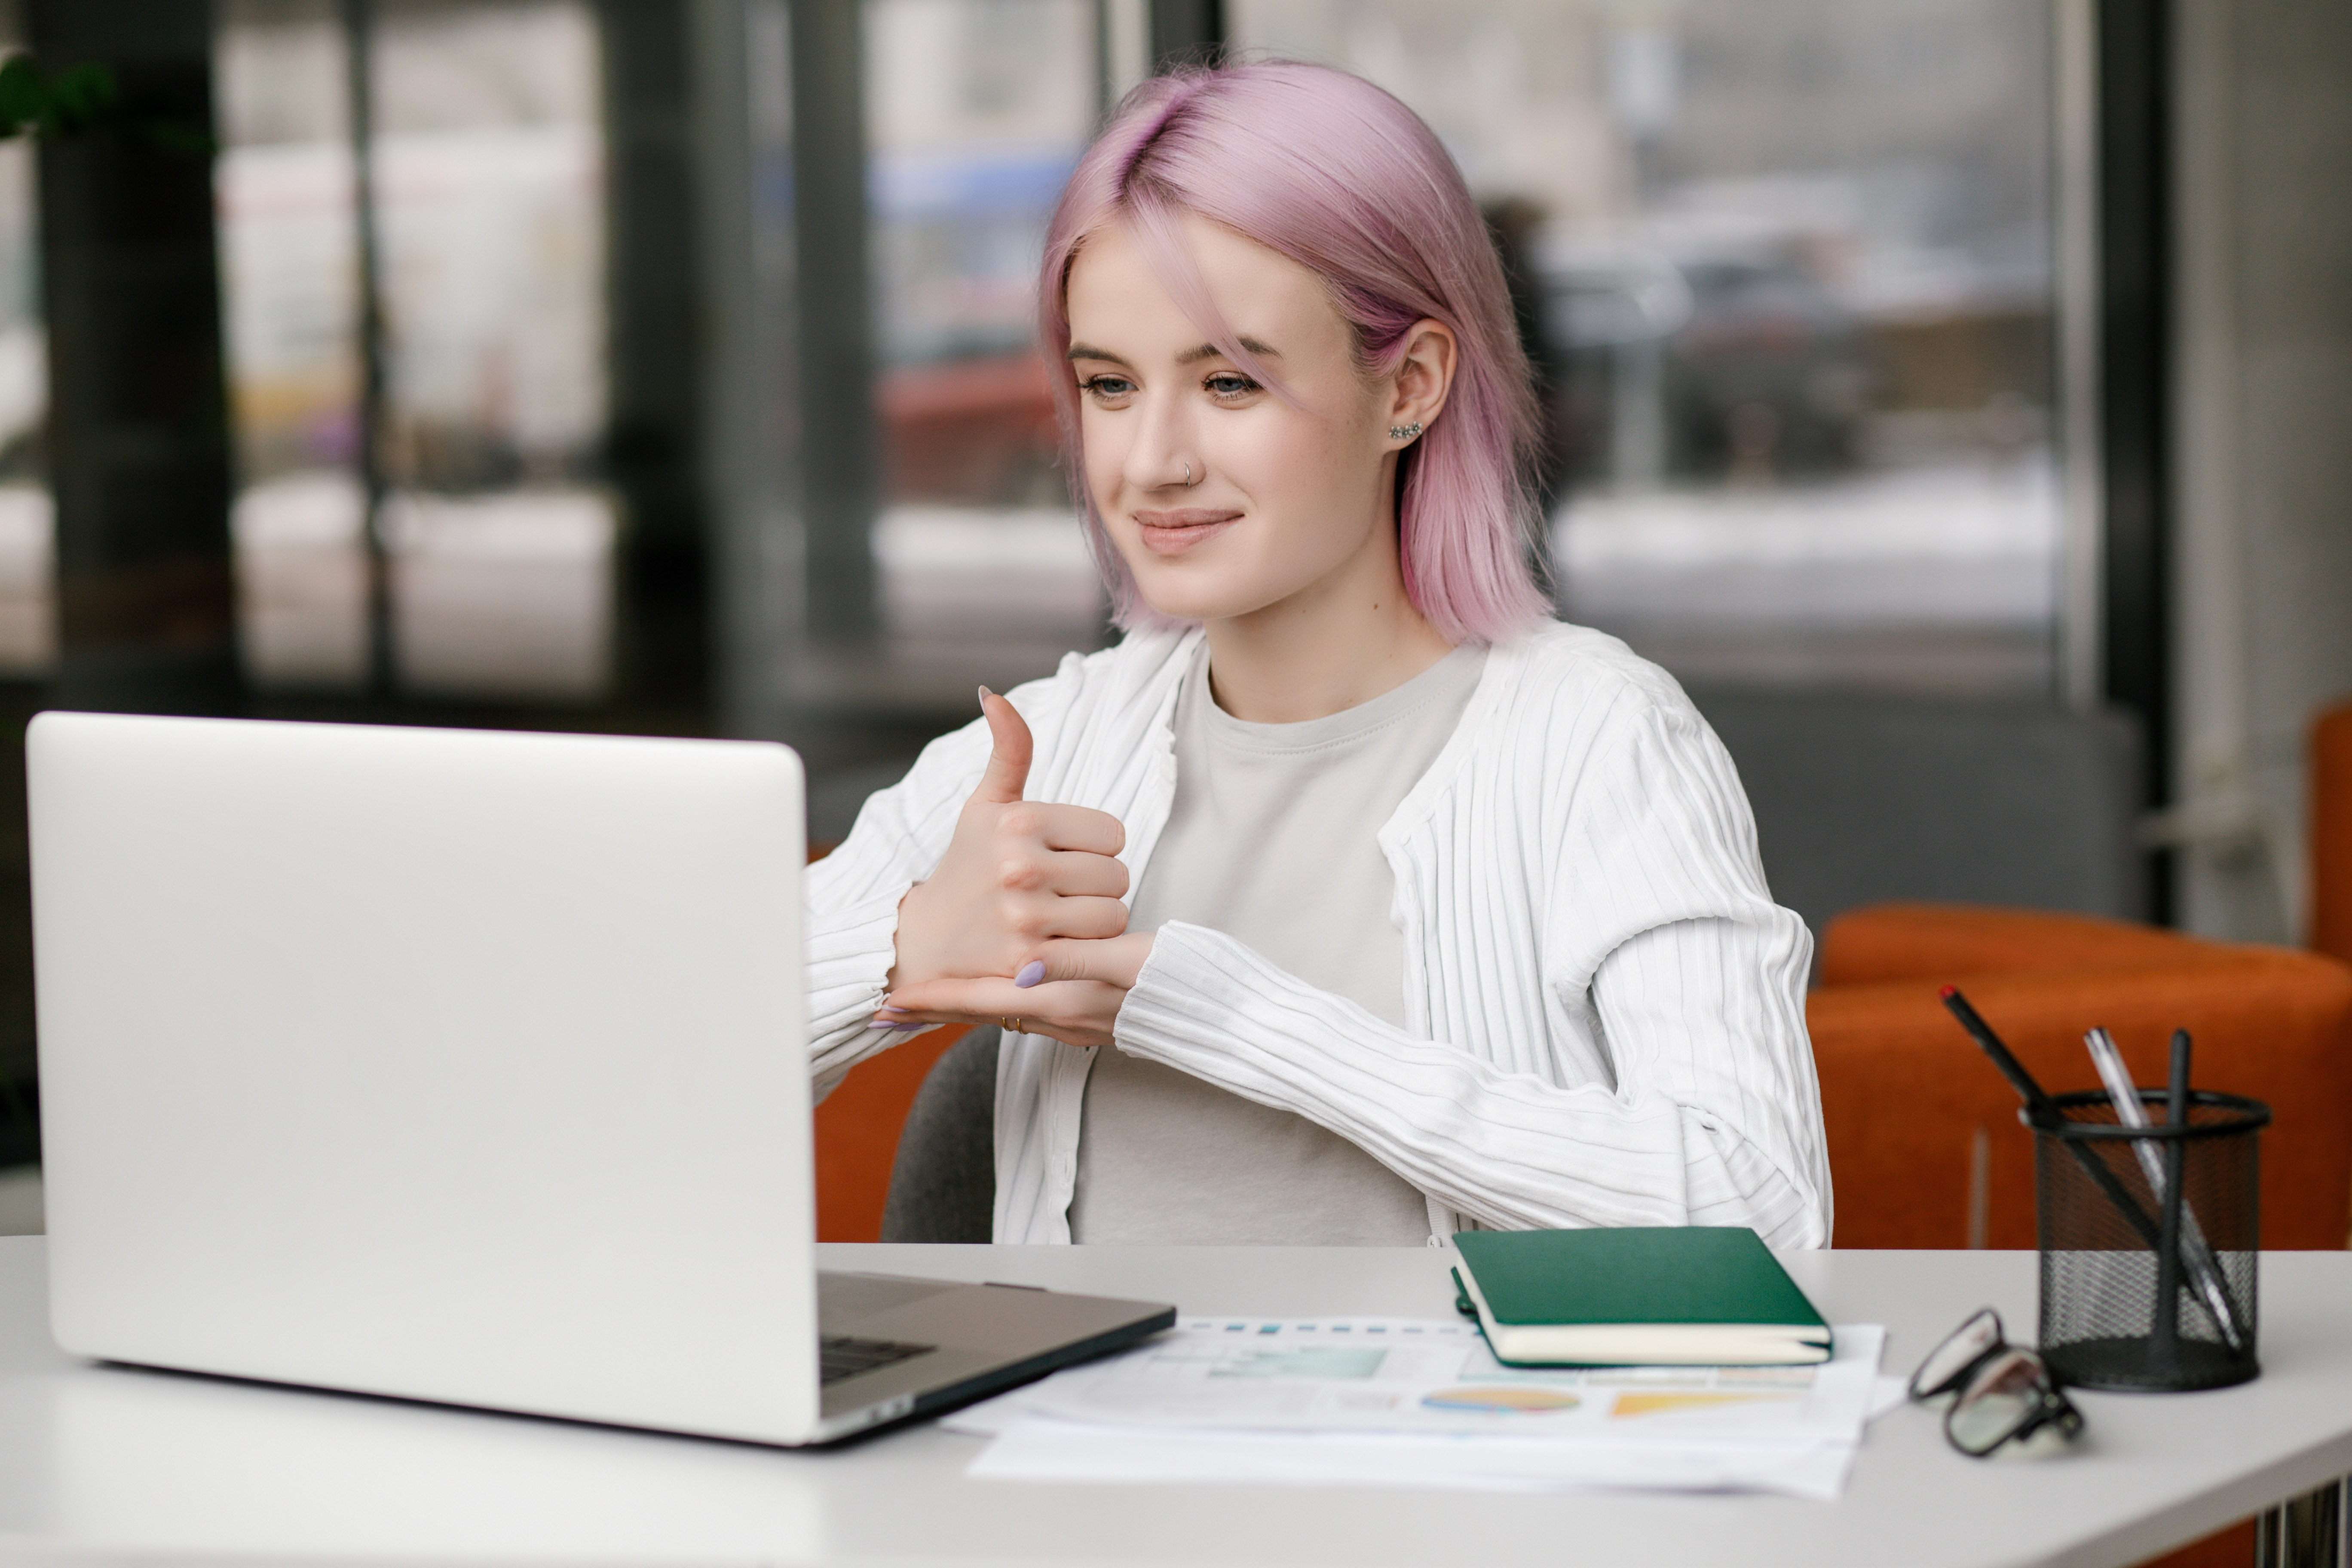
[(847, 1355)]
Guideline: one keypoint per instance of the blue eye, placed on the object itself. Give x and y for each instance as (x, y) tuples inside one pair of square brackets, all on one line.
[(1229, 385), (1102, 386)]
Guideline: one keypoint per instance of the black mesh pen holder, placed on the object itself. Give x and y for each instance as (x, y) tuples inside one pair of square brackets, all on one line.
[(2150, 1239)]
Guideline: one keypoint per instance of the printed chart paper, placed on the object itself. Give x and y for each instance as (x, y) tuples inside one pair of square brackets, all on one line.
[(1420, 1400)]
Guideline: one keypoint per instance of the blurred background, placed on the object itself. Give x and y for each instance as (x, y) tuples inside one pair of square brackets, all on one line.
[(1939, 388)]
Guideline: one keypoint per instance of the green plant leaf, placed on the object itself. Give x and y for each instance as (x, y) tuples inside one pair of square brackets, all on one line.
[(78, 98)]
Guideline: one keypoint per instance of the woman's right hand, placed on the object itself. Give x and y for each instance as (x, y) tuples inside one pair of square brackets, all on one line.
[(1017, 874)]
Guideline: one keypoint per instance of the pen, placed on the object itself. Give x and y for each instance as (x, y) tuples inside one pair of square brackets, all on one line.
[(2177, 1091), (2044, 1112), (2196, 1252), (2011, 1068)]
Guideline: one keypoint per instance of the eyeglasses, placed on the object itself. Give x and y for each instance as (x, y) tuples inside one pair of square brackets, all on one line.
[(2000, 1394)]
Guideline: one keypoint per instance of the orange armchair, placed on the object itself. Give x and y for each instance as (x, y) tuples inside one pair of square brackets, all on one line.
[(2330, 808), (1925, 1144), (858, 1129)]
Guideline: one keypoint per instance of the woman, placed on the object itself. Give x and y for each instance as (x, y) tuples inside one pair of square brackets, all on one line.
[(1441, 914)]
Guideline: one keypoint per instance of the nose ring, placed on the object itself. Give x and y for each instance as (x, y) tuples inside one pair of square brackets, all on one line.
[(1188, 473)]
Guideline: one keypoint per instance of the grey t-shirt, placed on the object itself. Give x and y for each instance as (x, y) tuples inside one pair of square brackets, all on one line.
[(1272, 839)]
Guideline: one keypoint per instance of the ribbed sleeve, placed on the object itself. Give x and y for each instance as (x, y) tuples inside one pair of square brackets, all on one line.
[(1604, 1008), (854, 895), (897, 840), (1096, 725), (1506, 1150), (1650, 1067)]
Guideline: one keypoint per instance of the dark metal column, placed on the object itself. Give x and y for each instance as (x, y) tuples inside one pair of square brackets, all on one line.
[(359, 85), (839, 446), (747, 309), (656, 344), (138, 414), (2135, 294), (1187, 32)]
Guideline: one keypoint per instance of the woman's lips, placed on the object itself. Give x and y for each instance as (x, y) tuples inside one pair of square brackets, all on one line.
[(1174, 532)]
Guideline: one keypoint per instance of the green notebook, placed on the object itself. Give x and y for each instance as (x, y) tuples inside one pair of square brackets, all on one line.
[(1681, 1294)]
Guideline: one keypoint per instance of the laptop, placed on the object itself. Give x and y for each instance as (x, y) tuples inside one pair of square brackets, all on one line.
[(463, 1066)]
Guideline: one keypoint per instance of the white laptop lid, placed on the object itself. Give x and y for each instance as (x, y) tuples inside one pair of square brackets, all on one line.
[(455, 1065)]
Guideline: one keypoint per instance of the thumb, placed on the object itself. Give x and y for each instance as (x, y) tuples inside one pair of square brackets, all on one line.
[(1008, 763), (1113, 960)]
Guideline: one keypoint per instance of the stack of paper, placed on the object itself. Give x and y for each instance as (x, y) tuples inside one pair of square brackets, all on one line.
[(1420, 1402)]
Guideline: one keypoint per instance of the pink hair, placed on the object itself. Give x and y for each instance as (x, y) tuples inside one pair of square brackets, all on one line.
[(1326, 169)]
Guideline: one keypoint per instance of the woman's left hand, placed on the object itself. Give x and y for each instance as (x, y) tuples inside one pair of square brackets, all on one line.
[(1074, 992)]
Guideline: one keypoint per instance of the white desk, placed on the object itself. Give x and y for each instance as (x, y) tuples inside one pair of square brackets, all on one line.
[(107, 1458)]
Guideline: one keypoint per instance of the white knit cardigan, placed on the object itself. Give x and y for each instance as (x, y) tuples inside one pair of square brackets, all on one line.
[(1605, 1009)]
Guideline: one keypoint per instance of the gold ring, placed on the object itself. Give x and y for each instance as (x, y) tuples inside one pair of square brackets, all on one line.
[(1013, 1025)]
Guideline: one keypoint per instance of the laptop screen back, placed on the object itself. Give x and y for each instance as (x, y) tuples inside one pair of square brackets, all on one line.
[(455, 1065)]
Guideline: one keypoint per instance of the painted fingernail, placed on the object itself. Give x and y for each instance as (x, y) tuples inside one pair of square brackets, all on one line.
[(885, 1024), (985, 695), (1031, 973)]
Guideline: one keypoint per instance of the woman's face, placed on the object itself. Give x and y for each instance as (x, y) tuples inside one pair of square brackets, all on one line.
[(1283, 497)]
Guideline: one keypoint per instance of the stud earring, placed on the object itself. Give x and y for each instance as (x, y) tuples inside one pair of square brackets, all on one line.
[(1404, 432)]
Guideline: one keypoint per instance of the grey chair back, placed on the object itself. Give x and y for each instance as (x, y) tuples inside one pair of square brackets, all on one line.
[(1861, 799), (944, 1179)]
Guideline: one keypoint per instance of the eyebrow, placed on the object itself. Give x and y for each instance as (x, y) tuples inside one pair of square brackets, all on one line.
[(1190, 356)]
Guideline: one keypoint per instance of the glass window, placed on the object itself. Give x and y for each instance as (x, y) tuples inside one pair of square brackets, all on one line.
[(28, 570), (978, 111), (289, 277), (487, 164), (1786, 272), (489, 171)]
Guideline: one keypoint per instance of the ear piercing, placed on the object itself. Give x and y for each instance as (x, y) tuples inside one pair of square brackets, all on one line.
[(1404, 432)]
